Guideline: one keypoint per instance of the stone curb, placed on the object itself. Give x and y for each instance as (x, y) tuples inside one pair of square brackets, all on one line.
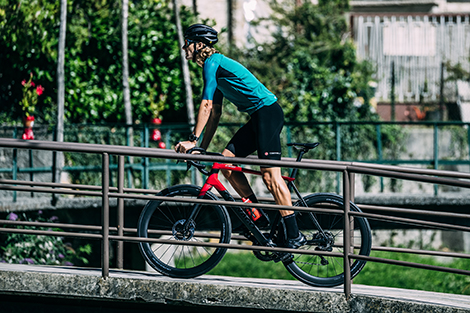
[(216, 291)]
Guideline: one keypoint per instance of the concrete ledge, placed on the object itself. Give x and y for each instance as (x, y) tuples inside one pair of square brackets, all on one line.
[(216, 291)]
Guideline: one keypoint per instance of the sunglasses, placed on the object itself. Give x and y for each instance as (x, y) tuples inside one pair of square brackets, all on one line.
[(187, 42)]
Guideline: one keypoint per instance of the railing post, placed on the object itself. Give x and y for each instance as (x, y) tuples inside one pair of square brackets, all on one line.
[(105, 217), (379, 152), (346, 235), (130, 160), (146, 160), (120, 214), (31, 173), (14, 172), (436, 154), (338, 153), (167, 161), (392, 93)]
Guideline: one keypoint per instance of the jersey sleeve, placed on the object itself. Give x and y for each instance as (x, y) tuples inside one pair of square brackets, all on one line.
[(210, 80)]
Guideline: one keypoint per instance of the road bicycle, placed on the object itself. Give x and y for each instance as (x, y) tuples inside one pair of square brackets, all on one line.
[(183, 226)]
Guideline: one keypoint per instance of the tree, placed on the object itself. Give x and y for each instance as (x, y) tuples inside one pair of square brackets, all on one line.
[(29, 33), (28, 44), (58, 156), (311, 65), (184, 66)]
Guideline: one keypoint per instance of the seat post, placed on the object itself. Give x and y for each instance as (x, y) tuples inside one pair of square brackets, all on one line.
[(299, 158)]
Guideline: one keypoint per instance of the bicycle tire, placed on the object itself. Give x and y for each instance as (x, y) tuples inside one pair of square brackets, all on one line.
[(309, 268), (179, 260)]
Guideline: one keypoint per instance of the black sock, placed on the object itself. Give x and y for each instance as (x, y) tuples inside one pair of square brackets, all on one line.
[(291, 226)]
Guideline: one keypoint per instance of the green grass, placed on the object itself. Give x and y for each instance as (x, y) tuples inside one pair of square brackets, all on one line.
[(373, 274)]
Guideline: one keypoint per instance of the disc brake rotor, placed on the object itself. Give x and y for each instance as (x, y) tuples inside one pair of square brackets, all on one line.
[(182, 233)]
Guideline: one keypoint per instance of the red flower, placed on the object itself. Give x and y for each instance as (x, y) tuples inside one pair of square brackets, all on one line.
[(33, 84), (23, 82), (39, 90)]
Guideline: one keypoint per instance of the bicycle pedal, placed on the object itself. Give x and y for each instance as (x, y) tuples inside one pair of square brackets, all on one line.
[(283, 257)]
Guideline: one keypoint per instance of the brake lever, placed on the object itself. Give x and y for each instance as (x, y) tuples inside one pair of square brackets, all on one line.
[(200, 167)]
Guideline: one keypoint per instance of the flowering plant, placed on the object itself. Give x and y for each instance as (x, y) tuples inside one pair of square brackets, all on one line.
[(34, 249), (31, 92)]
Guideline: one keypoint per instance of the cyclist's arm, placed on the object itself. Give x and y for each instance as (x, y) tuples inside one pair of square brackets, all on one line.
[(202, 118), (210, 114), (205, 109), (212, 125)]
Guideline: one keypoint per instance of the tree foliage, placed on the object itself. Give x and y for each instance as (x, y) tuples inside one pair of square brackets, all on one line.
[(311, 66), (311, 63), (29, 32)]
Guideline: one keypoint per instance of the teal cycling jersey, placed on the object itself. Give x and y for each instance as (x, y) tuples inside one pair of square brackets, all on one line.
[(224, 77)]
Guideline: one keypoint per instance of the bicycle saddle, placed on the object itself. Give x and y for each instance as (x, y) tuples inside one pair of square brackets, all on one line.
[(306, 146)]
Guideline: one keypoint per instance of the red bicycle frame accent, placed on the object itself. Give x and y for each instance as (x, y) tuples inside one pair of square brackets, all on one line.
[(213, 179)]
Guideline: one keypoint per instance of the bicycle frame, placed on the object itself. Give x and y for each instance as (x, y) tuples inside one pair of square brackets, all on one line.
[(213, 181)]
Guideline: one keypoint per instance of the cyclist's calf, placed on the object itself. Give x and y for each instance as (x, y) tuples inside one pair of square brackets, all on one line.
[(277, 187)]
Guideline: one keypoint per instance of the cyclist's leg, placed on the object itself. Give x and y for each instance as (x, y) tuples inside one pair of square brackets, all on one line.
[(241, 145), (238, 180), (277, 187), (268, 122)]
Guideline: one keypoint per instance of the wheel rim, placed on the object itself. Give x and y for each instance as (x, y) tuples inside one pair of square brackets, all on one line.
[(178, 256), (328, 270)]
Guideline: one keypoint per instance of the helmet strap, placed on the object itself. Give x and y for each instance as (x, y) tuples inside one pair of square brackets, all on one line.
[(195, 52)]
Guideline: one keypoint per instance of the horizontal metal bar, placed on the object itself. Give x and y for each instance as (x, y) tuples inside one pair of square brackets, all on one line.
[(410, 264), (412, 211), (410, 221), (412, 177), (413, 170), (225, 203), (423, 252), (53, 185), (50, 233), (50, 190), (54, 225), (152, 153), (222, 245), (169, 154)]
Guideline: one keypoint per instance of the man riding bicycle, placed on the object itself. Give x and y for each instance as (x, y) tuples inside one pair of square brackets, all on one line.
[(224, 77)]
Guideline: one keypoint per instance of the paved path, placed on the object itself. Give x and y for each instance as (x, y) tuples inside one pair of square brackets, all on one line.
[(219, 291)]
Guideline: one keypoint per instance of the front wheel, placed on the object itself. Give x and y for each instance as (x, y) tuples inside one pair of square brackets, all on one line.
[(169, 220), (328, 271)]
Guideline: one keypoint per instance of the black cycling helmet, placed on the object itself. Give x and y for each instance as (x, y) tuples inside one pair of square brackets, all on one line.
[(201, 33)]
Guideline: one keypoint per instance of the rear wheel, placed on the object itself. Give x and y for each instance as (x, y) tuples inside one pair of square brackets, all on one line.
[(179, 257), (328, 271)]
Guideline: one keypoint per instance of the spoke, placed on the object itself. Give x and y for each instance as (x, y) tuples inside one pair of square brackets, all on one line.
[(191, 255), (205, 248), (204, 215), (177, 261), (170, 211), (199, 253), (168, 218), (168, 248)]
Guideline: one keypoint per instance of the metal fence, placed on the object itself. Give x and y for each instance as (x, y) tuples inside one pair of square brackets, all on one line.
[(416, 46), (336, 145), (105, 233)]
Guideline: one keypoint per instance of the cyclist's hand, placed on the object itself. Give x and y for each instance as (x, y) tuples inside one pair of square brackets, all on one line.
[(184, 146)]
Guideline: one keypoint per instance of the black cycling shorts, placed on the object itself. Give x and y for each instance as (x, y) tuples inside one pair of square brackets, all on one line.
[(261, 133)]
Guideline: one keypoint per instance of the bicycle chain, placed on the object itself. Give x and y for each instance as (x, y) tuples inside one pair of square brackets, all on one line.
[(309, 263)]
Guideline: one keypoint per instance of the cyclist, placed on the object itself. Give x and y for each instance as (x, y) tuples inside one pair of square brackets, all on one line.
[(224, 77)]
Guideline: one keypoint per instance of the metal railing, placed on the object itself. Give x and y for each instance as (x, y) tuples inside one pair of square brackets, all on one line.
[(435, 158), (105, 233)]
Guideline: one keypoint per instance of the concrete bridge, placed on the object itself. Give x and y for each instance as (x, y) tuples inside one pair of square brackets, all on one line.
[(27, 288)]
